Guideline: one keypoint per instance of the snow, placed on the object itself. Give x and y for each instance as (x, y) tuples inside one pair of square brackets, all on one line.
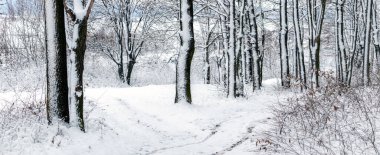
[(79, 11), (73, 79), (144, 120)]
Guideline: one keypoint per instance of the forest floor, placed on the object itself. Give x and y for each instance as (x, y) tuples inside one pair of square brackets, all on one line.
[(144, 120)]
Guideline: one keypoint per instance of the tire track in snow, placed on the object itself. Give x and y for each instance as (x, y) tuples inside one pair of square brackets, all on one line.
[(239, 142), (138, 121), (214, 130)]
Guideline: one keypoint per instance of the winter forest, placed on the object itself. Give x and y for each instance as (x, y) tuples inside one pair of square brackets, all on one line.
[(177, 77)]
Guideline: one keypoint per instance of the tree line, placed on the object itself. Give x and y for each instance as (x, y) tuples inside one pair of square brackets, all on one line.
[(303, 41), (232, 36)]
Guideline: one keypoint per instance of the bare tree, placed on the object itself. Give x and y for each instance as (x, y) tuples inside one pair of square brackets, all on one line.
[(367, 43), (208, 35), (118, 12), (300, 58), (284, 54), (254, 53), (133, 24), (316, 14)]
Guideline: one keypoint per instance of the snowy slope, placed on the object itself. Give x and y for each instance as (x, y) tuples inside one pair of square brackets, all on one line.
[(144, 120)]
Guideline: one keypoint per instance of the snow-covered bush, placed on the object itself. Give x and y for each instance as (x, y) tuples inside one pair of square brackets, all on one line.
[(329, 120), (24, 127), (22, 118)]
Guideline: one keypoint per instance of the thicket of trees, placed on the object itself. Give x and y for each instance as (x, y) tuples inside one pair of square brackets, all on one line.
[(241, 42)]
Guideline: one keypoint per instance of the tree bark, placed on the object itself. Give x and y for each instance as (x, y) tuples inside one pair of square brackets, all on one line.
[(77, 52), (207, 66), (183, 89), (57, 103), (367, 44), (131, 64), (301, 69), (315, 24), (232, 68), (254, 51), (284, 54), (240, 57)]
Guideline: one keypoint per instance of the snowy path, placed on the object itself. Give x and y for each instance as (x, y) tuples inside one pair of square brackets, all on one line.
[(144, 120)]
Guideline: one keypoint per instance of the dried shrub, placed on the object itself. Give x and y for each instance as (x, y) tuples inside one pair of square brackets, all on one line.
[(330, 120)]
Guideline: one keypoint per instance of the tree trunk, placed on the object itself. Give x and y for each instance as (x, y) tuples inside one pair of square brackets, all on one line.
[(232, 68), (354, 37), (301, 70), (77, 53), (315, 21), (240, 54), (367, 45), (120, 65), (131, 64), (207, 67), (57, 104), (284, 54), (342, 59), (260, 60), (120, 71), (254, 52), (376, 42), (183, 90), (224, 30)]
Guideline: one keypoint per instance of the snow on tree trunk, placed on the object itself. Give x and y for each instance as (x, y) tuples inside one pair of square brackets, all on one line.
[(219, 63), (301, 69), (77, 48), (127, 40), (207, 41), (120, 64), (254, 52), (367, 45), (240, 58), (224, 29), (376, 42), (57, 90), (207, 67), (130, 66), (354, 39), (186, 52), (232, 69), (260, 58), (342, 66), (316, 13), (284, 54)]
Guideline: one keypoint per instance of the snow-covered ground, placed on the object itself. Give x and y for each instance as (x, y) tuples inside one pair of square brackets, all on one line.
[(145, 120)]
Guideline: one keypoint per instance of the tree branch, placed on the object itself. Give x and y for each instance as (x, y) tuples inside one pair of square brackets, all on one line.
[(69, 11)]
